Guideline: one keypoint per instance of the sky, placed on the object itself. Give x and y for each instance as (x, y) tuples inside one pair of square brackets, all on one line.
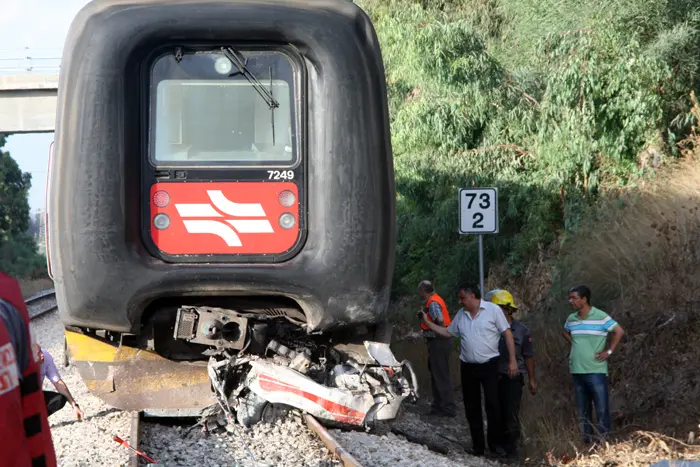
[(35, 28)]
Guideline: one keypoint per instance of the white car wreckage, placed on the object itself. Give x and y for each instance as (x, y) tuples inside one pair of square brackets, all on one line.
[(344, 385)]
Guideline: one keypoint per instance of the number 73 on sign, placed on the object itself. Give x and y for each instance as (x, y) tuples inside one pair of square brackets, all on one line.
[(478, 210)]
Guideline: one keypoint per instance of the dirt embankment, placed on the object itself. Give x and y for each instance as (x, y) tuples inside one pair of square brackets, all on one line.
[(640, 255)]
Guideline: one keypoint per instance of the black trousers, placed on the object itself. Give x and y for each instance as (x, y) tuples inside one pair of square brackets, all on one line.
[(510, 392), (54, 401), (439, 366), (476, 376)]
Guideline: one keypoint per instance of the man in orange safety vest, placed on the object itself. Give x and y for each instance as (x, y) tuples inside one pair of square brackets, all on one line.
[(439, 350)]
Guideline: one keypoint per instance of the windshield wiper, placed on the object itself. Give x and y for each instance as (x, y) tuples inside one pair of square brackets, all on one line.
[(240, 62)]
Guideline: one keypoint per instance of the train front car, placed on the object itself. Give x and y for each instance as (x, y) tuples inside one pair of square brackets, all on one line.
[(221, 209)]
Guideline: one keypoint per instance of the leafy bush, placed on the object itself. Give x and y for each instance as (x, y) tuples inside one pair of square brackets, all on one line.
[(18, 251), (550, 101), (19, 258)]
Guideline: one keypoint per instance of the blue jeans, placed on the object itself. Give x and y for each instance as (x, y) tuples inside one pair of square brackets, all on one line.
[(592, 388)]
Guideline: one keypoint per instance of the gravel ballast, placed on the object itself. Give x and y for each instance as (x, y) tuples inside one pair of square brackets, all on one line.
[(392, 450), (285, 442), (80, 444)]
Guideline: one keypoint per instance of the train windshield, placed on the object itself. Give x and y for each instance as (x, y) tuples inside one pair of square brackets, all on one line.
[(204, 111)]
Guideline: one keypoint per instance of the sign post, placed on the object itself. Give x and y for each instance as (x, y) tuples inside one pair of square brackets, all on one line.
[(478, 215)]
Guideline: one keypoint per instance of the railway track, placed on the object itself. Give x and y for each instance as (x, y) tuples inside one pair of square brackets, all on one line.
[(138, 458), (41, 303), (45, 302), (295, 440)]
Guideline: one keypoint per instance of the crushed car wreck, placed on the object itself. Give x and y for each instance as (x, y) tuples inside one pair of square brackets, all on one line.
[(348, 384)]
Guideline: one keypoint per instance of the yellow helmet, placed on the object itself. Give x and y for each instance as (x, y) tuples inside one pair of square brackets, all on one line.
[(501, 297)]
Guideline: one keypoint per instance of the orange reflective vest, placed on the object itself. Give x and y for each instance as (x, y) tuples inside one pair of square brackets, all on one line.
[(445, 315), (35, 435)]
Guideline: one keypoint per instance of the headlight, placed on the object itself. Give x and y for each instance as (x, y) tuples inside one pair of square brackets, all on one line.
[(161, 221), (287, 221)]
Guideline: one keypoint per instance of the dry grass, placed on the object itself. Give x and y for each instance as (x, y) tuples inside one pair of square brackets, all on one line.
[(642, 449), (32, 286), (641, 259), (640, 256)]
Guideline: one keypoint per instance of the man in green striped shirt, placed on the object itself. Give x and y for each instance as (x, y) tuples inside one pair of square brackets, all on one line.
[(587, 330)]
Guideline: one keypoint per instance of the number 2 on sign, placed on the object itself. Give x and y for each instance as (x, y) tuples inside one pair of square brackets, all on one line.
[(280, 175)]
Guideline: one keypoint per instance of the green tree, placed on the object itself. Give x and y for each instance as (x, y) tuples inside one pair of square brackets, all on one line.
[(14, 191), (18, 250), (551, 101)]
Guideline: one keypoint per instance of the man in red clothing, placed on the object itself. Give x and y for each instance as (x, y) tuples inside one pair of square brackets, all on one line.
[(11, 416), (24, 427)]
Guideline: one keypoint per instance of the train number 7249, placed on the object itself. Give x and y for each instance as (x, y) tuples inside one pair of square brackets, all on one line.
[(280, 175)]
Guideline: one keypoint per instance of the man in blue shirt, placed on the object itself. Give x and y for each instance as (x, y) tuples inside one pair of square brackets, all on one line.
[(54, 400)]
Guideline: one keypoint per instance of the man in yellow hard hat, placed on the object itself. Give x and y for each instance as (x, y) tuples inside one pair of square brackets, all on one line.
[(510, 389)]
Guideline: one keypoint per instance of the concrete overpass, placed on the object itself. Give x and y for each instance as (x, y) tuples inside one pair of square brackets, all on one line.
[(28, 103)]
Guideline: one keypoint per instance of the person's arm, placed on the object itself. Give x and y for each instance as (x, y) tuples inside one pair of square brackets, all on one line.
[(617, 333), (566, 332), (528, 351), (436, 328), (55, 378), (504, 328), (435, 311), (530, 365), (512, 362), (63, 389)]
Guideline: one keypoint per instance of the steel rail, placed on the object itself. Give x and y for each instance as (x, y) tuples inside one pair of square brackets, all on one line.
[(36, 299), (134, 438), (330, 442)]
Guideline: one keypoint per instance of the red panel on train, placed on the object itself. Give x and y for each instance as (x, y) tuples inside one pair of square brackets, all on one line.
[(203, 218)]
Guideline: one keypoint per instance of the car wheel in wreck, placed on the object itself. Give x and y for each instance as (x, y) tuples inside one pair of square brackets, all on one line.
[(250, 409)]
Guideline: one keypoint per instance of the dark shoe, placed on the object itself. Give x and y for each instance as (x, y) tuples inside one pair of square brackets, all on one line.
[(498, 452), (513, 456), (473, 452), (512, 452)]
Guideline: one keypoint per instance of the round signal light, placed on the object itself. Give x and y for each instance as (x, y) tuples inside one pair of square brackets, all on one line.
[(287, 221), (161, 221), (286, 198), (223, 65), (161, 198)]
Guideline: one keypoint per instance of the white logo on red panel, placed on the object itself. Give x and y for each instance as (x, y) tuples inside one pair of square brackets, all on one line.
[(227, 229), (9, 373)]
